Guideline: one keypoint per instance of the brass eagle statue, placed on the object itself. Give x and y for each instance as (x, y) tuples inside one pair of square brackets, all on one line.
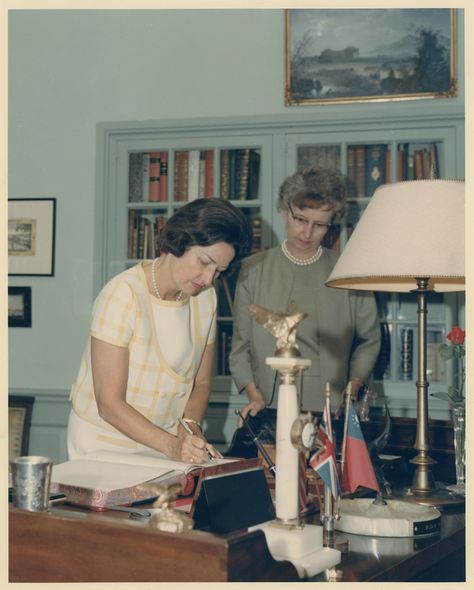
[(280, 325)]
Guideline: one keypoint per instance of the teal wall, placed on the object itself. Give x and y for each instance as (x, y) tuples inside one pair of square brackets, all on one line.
[(69, 70)]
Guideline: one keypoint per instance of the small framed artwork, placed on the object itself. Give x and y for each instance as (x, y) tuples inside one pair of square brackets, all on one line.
[(359, 55), (19, 307), (31, 236)]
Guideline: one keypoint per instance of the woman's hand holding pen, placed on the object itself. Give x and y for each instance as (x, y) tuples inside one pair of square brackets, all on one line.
[(194, 448)]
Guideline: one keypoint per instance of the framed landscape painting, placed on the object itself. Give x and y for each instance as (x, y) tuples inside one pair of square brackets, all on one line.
[(31, 236), (358, 55)]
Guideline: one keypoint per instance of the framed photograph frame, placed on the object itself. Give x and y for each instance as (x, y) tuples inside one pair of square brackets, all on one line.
[(31, 237), (19, 307), (359, 55)]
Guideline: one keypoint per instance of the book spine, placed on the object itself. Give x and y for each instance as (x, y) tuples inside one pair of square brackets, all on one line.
[(419, 172), (132, 228), (233, 174), (351, 170), (254, 174), (154, 177), (209, 174), (411, 174), (202, 172), (181, 176), (193, 175), (243, 173), (388, 166), (360, 171), (374, 167), (224, 174), (141, 237), (135, 184), (426, 163), (433, 162), (401, 163), (145, 176), (163, 176)]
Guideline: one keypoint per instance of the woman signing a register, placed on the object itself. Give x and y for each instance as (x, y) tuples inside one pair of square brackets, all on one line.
[(149, 356)]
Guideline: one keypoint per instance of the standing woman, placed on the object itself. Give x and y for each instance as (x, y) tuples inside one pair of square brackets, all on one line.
[(341, 334), (150, 352)]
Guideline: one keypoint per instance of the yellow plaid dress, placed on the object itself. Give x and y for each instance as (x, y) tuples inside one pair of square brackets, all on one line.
[(123, 315)]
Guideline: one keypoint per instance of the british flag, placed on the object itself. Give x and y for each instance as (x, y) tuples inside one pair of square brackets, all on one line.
[(324, 461)]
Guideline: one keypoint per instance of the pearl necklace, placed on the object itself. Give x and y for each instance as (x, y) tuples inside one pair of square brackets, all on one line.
[(155, 286), (301, 261)]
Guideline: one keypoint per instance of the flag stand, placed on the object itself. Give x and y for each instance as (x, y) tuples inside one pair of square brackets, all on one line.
[(382, 517)]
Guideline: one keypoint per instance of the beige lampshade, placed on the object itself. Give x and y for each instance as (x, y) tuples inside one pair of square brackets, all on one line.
[(409, 229)]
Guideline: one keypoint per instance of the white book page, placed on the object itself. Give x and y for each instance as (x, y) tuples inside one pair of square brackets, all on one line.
[(151, 459), (108, 471), (103, 475)]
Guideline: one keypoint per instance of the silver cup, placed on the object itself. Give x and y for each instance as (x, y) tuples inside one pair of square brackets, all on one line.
[(31, 478)]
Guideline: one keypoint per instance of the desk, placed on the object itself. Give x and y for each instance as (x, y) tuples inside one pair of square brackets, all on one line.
[(74, 545)]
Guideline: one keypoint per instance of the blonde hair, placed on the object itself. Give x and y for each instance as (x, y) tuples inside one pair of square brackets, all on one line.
[(315, 188)]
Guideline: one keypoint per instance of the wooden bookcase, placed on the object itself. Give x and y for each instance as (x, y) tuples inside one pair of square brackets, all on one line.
[(128, 221)]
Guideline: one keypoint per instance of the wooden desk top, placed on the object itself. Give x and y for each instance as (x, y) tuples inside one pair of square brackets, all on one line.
[(75, 545)]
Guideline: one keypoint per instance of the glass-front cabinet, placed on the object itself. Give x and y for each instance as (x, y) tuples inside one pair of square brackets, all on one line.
[(147, 170), (370, 158)]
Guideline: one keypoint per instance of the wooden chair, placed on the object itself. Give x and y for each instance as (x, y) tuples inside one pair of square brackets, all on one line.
[(20, 409)]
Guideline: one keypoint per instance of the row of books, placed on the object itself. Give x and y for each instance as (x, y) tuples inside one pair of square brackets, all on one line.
[(148, 177), (143, 231), (193, 174), (239, 174), (368, 166), (417, 163)]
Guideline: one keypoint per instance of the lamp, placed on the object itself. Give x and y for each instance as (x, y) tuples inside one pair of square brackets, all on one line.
[(410, 238)]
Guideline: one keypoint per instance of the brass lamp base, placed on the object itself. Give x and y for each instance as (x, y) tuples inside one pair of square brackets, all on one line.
[(440, 496)]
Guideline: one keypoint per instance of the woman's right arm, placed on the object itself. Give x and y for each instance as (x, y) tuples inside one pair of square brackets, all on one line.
[(110, 376)]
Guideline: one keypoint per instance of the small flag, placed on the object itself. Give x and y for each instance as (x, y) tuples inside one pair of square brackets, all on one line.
[(324, 463), (357, 469)]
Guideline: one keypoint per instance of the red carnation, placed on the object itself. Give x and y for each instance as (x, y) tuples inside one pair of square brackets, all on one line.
[(456, 336)]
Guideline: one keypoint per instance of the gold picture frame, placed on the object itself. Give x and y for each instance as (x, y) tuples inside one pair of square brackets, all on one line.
[(361, 55)]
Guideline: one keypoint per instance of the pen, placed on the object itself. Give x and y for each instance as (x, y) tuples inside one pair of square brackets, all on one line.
[(259, 445), (189, 431)]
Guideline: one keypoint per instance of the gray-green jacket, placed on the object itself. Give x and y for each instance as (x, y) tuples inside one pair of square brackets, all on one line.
[(341, 334)]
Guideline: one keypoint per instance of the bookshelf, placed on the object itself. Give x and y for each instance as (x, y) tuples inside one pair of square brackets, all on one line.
[(369, 158), (245, 160)]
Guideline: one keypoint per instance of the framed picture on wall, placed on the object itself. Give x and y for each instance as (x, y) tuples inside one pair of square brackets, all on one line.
[(31, 236), (358, 55), (19, 307)]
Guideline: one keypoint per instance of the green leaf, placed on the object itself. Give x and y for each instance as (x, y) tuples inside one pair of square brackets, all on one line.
[(444, 396), (446, 352)]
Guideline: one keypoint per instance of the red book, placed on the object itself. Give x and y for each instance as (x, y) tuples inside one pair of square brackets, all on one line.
[(154, 177), (163, 176)]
